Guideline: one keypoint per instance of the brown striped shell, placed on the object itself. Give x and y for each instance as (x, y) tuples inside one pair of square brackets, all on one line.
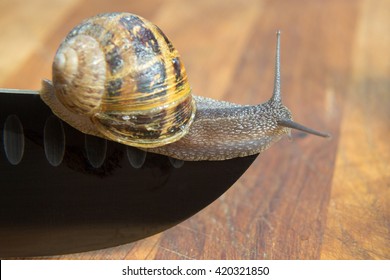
[(123, 72)]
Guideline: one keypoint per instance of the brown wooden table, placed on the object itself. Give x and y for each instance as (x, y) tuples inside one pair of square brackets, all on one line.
[(308, 198)]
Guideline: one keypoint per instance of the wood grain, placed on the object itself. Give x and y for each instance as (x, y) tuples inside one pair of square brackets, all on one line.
[(358, 213), (303, 199)]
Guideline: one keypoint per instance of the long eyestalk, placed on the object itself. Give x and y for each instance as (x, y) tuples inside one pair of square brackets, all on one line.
[(276, 96)]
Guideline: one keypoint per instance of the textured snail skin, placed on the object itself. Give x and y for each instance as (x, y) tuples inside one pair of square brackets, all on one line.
[(223, 130), (218, 130)]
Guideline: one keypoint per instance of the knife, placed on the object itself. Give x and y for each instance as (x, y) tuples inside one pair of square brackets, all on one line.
[(62, 191)]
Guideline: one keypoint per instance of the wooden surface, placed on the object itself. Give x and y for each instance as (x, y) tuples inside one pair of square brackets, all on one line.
[(304, 199)]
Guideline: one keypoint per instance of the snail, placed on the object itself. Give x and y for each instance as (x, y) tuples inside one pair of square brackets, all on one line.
[(117, 76)]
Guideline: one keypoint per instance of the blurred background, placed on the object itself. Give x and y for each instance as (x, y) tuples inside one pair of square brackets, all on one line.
[(308, 198)]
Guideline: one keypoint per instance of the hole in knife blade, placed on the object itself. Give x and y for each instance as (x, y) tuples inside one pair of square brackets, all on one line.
[(96, 149), (13, 139), (176, 163), (136, 157), (54, 140)]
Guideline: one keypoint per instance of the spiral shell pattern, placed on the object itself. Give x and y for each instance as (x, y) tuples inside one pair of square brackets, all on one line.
[(123, 72)]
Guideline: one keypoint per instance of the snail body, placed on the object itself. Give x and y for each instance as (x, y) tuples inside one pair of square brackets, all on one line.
[(117, 76)]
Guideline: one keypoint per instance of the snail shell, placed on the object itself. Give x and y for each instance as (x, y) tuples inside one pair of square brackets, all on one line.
[(123, 72), (117, 76)]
